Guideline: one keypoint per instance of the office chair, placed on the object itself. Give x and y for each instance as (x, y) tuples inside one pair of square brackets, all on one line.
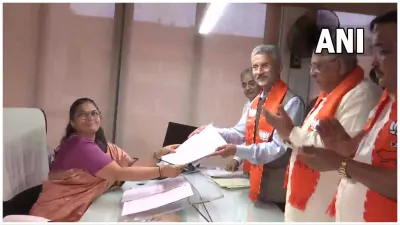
[(25, 161)]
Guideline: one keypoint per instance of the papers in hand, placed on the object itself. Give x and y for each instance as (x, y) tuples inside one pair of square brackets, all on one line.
[(220, 173), (196, 147), (232, 182), (148, 200)]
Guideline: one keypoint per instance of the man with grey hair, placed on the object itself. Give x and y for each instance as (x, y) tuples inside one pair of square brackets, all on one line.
[(251, 90), (265, 154), (346, 96)]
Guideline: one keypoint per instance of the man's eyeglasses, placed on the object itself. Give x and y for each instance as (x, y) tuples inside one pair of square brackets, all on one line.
[(320, 66)]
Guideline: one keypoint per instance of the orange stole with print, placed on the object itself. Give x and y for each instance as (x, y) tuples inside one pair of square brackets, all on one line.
[(378, 208), (246, 166), (66, 195), (303, 179), (264, 132)]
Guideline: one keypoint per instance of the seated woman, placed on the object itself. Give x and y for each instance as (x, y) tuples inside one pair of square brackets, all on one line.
[(86, 166)]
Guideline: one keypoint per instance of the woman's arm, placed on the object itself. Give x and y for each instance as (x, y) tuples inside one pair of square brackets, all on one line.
[(156, 156), (88, 156), (115, 172)]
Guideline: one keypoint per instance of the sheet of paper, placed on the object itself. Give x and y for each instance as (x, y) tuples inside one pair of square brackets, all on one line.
[(232, 182), (196, 147), (221, 173), (154, 188), (157, 200)]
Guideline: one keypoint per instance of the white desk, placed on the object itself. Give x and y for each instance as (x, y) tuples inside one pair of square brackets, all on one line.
[(235, 206)]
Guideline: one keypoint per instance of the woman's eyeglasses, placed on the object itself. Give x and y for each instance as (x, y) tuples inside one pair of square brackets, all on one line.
[(86, 115)]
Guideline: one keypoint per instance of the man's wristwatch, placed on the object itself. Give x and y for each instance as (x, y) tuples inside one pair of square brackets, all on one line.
[(343, 169)]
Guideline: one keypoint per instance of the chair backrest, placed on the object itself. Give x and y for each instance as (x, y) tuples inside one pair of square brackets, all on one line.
[(25, 163)]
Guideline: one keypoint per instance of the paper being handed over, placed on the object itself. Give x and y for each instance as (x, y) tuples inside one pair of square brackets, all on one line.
[(196, 147)]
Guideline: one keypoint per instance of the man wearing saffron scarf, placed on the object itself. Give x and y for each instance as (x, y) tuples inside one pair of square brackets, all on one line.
[(346, 96), (265, 154), (367, 163)]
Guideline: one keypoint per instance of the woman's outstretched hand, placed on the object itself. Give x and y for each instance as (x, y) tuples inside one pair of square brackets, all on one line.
[(171, 171)]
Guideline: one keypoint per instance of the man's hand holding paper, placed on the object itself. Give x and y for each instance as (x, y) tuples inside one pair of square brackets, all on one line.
[(225, 151)]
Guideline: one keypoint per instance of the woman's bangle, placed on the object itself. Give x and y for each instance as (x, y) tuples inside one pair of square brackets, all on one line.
[(155, 157), (159, 171)]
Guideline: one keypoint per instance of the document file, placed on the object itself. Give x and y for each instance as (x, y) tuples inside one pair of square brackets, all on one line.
[(196, 147), (157, 200), (232, 182), (221, 173), (152, 189)]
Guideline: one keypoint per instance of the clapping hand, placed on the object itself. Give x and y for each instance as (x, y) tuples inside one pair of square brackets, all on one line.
[(335, 137), (320, 159), (281, 121)]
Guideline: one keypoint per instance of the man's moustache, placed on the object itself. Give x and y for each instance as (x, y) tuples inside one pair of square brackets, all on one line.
[(262, 75)]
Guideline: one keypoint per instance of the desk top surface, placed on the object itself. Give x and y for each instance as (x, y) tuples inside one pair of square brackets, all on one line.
[(235, 206)]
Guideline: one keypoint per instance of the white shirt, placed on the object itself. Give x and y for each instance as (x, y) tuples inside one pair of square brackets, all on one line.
[(352, 113), (264, 152), (352, 195)]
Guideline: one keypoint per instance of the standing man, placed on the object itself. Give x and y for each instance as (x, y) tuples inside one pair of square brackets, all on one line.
[(250, 89), (368, 187), (264, 149), (346, 96)]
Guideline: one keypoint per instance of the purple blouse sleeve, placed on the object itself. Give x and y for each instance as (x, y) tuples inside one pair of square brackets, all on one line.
[(88, 155)]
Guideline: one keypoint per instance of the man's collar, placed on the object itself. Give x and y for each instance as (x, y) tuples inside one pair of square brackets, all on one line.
[(263, 95)]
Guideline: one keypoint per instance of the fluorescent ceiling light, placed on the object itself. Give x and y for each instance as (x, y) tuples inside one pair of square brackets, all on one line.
[(214, 12)]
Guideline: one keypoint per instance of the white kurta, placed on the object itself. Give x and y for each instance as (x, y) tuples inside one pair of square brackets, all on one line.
[(352, 113), (351, 195)]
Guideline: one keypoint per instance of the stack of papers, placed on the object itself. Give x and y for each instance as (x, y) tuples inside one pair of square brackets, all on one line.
[(232, 182), (220, 173), (155, 195), (196, 147), (156, 188)]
